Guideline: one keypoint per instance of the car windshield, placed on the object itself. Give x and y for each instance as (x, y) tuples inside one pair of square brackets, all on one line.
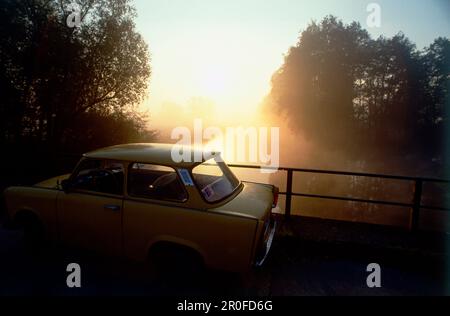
[(214, 179)]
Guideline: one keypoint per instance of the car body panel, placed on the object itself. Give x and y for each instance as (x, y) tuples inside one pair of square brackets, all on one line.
[(39, 201), (224, 241), (146, 153), (254, 201), (52, 183), (89, 221)]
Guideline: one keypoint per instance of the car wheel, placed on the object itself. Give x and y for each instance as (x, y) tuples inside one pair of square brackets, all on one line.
[(33, 232), (172, 262)]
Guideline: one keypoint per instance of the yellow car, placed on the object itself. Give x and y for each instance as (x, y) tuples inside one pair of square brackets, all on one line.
[(129, 200)]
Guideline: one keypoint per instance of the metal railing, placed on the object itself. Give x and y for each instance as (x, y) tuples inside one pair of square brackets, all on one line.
[(416, 199)]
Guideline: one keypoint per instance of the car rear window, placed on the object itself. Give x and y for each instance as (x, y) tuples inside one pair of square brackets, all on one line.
[(215, 180)]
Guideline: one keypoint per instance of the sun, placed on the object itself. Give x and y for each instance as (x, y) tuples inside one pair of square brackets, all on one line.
[(215, 80), (216, 66)]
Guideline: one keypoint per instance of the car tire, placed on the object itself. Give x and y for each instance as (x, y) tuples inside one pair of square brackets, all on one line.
[(34, 233), (173, 262)]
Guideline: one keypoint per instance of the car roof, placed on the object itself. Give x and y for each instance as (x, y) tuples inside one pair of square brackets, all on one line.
[(153, 153)]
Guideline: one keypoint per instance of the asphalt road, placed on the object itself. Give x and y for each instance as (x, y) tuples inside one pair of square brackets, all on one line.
[(294, 267)]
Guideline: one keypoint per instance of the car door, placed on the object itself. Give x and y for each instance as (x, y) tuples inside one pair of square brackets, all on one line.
[(157, 209), (90, 211)]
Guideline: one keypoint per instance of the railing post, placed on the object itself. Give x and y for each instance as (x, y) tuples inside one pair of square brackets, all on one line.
[(415, 216), (288, 193)]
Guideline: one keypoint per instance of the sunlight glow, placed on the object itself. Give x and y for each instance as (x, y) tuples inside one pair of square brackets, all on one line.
[(216, 80), (215, 67), (222, 64)]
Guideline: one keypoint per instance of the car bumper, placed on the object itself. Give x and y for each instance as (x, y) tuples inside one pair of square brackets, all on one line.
[(268, 245)]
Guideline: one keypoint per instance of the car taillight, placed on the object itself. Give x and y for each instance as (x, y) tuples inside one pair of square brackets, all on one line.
[(275, 192)]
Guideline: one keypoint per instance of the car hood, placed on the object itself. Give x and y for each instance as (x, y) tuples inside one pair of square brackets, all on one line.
[(254, 201), (52, 183)]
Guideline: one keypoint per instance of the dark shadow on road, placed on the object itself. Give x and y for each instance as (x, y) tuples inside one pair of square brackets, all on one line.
[(298, 265)]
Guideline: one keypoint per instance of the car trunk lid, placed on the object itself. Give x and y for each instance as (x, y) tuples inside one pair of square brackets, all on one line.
[(254, 201)]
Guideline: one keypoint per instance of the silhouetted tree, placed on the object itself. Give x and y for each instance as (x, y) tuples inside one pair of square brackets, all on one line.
[(52, 75), (315, 86), (344, 90), (434, 112), (94, 129), (387, 93)]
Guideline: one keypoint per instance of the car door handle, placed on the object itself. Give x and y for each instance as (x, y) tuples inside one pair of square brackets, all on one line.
[(112, 207)]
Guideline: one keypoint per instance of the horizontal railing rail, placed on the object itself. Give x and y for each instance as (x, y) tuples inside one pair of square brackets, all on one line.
[(416, 204)]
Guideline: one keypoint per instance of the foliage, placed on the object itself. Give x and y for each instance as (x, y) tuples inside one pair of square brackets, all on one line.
[(346, 91), (52, 75)]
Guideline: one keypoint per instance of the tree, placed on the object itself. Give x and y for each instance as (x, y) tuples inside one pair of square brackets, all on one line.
[(314, 88), (52, 74), (434, 113), (116, 128), (367, 98), (389, 93)]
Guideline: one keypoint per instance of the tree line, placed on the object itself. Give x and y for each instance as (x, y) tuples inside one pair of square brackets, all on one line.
[(344, 90)]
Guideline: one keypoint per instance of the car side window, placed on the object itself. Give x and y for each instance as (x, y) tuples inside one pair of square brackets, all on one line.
[(155, 182), (99, 176)]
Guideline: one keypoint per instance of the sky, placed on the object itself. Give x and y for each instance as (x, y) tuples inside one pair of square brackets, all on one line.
[(226, 51)]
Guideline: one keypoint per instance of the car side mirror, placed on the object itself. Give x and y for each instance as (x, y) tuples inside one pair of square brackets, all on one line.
[(66, 185)]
